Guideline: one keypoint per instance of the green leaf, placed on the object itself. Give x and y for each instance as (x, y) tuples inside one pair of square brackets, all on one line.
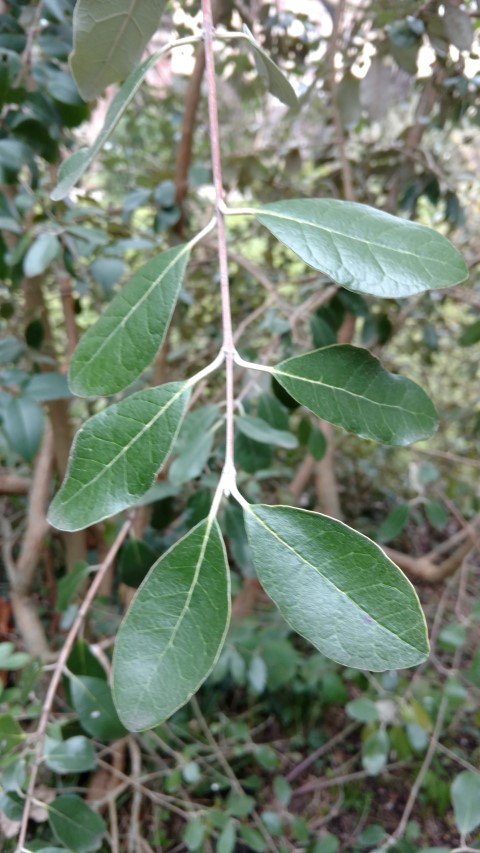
[(282, 790), (44, 249), (75, 824), (470, 335), (348, 386), (174, 631), (11, 349), (364, 249), (109, 40), (23, 426), (75, 755), (72, 169), (47, 386), (239, 805), (125, 339), (317, 444), (465, 793), (11, 734), (393, 524), (375, 752), (116, 455), (251, 456), (194, 834), (194, 444), (274, 79), (69, 585), (363, 710), (227, 838), (259, 430), (92, 699), (337, 588), (10, 659), (136, 560)]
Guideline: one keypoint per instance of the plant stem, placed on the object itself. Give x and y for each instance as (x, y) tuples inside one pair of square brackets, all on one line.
[(228, 345)]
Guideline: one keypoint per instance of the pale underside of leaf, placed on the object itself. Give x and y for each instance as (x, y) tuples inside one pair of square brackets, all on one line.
[(72, 169), (174, 631), (364, 249), (273, 77), (337, 588), (125, 339), (347, 386), (109, 37), (116, 455)]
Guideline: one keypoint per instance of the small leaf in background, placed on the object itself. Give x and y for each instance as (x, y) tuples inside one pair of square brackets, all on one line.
[(436, 514), (194, 445), (74, 755), (226, 839), (108, 41), (274, 79), (470, 335), (191, 773), (465, 793), (336, 588), (252, 456), (126, 337), (364, 249), (11, 349), (194, 833), (259, 430), (75, 824), (44, 249), (11, 733), (82, 661), (363, 710), (393, 524), (375, 751), (348, 386), (257, 674), (317, 444), (116, 454), (239, 805), (68, 586), (136, 560), (458, 27), (327, 844), (22, 421), (282, 790), (453, 636), (92, 699), (10, 659), (173, 633), (254, 840), (269, 409), (48, 386), (107, 272)]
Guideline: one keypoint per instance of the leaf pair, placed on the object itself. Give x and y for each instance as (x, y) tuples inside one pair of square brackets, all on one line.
[(331, 584)]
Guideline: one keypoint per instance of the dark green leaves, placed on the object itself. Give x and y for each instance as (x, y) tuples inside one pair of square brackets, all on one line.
[(126, 337), (349, 387), (336, 588), (365, 249), (75, 824), (92, 699), (109, 37), (116, 455), (172, 635), (74, 755), (273, 78)]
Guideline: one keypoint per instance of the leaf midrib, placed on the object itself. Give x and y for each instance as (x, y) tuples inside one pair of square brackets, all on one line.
[(329, 582), (332, 232)]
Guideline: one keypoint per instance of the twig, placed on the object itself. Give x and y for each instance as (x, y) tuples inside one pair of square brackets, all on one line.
[(322, 750), (57, 674), (321, 784), (136, 766)]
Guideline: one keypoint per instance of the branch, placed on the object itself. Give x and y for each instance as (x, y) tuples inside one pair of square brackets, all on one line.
[(57, 674), (11, 484)]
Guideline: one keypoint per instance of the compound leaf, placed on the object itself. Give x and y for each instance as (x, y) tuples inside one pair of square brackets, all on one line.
[(337, 588), (365, 249), (125, 339), (348, 386), (109, 37), (173, 633), (116, 455)]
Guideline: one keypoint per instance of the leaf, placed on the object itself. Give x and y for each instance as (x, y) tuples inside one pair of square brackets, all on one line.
[(75, 824), (393, 524), (465, 794), (458, 27), (44, 249), (92, 699), (348, 386), (470, 335), (364, 249), (259, 430), (69, 584), (23, 426), (173, 633), (72, 169), (274, 79), (11, 734), (47, 386), (74, 755), (363, 710), (375, 752), (11, 349), (116, 455), (136, 560), (109, 39), (192, 450), (251, 456), (125, 339), (227, 838), (337, 588)]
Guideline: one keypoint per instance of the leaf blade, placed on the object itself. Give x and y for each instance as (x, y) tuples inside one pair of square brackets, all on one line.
[(273, 77), (348, 386), (116, 454), (364, 249), (304, 562), (124, 340), (190, 583)]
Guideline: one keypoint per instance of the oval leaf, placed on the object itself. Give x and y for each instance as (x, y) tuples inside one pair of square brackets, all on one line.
[(466, 801), (23, 426), (261, 431), (44, 249), (337, 588), (116, 454), (348, 386), (92, 699), (74, 755), (173, 633), (109, 37), (125, 339), (75, 824), (72, 169), (274, 79), (364, 249)]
